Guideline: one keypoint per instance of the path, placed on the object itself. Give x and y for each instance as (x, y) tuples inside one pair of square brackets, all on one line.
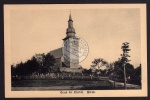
[(121, 85)]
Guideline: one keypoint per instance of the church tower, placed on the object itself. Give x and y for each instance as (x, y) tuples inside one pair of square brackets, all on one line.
[(70, 30), (71, 46)]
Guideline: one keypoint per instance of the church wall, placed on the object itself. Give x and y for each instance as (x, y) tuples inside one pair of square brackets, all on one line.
[(71, 52), (74, 65)]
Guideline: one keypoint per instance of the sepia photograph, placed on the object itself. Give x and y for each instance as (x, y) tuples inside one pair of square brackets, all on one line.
[(75, 50)]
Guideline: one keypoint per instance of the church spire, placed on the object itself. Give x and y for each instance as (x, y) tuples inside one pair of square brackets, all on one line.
[(70, 18), (70, 21), (70, 29)]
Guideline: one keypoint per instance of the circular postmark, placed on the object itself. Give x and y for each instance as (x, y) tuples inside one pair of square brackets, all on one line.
[(75, 49)]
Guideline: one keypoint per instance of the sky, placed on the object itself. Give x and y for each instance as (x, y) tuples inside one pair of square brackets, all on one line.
[(104, 30)]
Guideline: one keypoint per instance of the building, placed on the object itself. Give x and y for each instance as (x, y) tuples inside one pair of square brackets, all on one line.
[(67, 57)]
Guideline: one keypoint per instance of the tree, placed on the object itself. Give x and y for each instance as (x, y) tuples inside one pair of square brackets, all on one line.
[(49, 62), (97, 63), (40, 58), (138, 72), (12, 70), (124, 58), (87, 71), (103, 72), (114, 70), (39, 63), (137, 75), (110, 69), (129, 70)]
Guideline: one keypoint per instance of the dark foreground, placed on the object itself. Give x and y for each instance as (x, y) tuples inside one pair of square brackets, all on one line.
[(42, 85)]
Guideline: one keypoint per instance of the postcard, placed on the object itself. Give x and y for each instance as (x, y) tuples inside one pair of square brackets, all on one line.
[(75, 50)]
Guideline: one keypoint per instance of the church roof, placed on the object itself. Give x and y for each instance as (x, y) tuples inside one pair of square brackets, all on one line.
[(57, 53)]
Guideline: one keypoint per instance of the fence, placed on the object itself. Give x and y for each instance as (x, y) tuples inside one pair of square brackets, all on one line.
[(62, 76)]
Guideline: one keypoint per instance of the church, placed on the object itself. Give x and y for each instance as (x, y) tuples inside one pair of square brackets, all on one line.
[(66, 59)]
